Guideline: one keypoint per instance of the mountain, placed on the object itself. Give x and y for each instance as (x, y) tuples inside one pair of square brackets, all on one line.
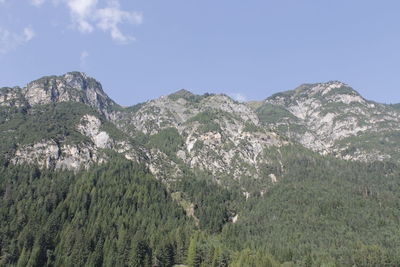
[(329, 118), (332, 118), (212, 132), (303, 178)]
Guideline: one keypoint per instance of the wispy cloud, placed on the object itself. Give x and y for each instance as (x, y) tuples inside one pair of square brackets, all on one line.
[(10, 40), (87, 16), (109, 18), (28, 34), (104, 15), (238, 97), (83, 58), (37, 2), (81, 13)]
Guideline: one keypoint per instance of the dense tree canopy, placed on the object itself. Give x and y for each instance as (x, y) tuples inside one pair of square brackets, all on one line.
[(322, 212)]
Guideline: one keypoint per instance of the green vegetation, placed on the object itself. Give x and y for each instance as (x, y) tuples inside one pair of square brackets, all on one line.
[(384, 143), (112, 215), (210, 120), (304, 210), (396, 106), (167, 140), (115, 214), (252, 128), (188, 96), (133, 108), (213, 203), (269, 113), (204, 117), (47, 122), (324, 211)]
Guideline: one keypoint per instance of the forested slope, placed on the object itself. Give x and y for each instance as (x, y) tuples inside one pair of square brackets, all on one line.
[(116, 214), (325, 211), (308, 177)]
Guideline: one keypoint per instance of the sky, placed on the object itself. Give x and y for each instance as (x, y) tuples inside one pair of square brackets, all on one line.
[(142, 49)]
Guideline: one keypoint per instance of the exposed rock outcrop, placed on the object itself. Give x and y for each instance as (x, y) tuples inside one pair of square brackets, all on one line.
[(220, 136), (73, 86), (49, 154), (328, 117)]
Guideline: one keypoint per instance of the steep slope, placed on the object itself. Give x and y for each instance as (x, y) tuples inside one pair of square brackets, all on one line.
[(216, 134), (62, 136), (333, 118), (61, 122), (71, 87), (211, 133)]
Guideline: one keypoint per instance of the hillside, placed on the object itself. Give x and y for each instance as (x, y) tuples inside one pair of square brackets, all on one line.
[(307, 177), (332, 118)]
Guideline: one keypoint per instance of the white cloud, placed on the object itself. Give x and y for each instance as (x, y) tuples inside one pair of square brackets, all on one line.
[(83, 57), (238, 97), (2, 1), (28, 33), (87, 16), (37, 2), (81, 13), (9, 40), (81, 8), (104, 15), (109, 18)]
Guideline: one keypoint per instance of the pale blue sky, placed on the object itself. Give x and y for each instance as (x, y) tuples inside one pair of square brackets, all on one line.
[(141, 49)]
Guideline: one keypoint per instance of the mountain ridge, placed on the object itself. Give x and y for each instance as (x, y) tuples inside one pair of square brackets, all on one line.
[(320, 116), (179, 92)]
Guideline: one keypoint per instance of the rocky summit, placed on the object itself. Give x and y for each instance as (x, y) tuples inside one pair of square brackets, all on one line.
[(212, 132)]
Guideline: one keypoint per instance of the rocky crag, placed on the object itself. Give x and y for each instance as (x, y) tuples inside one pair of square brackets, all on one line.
[(69, 122)]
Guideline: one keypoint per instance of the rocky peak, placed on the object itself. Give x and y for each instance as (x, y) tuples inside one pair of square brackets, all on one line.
[(179, 108), (329, 118), (332, 91), (226, 104), (183, 93), (73, 86)]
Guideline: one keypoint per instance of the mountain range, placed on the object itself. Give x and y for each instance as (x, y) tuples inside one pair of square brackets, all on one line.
[(301, 178)]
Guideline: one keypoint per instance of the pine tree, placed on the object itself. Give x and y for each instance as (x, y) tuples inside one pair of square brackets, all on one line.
[(216, 257), (193, 259), (23, 258)]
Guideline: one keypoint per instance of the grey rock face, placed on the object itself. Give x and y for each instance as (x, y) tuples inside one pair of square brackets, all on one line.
[(323, 116), (11, 97), (219, 135), (167, 112), (229, 150), (90, 127), (49, 154), (73, 86)]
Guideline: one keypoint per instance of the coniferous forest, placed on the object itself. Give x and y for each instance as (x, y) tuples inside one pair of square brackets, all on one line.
[(325, 212)]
